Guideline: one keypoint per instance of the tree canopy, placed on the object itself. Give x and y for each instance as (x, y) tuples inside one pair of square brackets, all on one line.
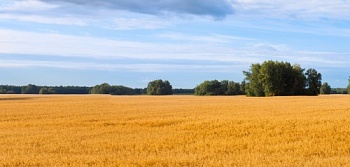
[(105, 88), (274, 78), (30, 89), (215, 87), (121, 90), (159, 87), (313, 81)]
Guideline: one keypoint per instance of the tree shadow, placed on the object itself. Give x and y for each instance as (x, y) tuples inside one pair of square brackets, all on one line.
[(15, 98)]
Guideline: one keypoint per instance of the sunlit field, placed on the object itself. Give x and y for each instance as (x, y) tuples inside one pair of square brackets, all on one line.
[(103, 130)]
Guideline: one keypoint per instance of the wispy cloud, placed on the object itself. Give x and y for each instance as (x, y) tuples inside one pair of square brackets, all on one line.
[(212, 48), (137, 23), (29, 6), (45, 19), (217, 9), (130, 67), (214, 38), (288, 9), (335, 9), (22, 42)]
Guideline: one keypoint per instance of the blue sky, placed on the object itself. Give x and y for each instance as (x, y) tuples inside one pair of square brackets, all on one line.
[(131, 42)]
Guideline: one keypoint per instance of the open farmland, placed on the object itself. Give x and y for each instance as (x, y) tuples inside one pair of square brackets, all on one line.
[(98, 130)]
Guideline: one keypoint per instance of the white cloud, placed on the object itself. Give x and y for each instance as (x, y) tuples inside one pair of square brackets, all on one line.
[(309, 9), (20, 42), (214, 38), (216, 9), (44, 19), (137, 67), (218, 49), (46, 13), (325, 59), (272, 47), (29, 5), (36, 11), (138, 23)]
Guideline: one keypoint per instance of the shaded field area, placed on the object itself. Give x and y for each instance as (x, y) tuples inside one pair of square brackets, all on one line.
[(99, 130)]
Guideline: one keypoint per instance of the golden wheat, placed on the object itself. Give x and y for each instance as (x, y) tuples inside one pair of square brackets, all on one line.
[(98, 130)]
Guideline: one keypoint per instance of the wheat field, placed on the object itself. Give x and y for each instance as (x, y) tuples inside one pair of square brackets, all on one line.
[(101, 130)]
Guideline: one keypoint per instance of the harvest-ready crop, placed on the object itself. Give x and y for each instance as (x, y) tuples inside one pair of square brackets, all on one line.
[(99, 130)]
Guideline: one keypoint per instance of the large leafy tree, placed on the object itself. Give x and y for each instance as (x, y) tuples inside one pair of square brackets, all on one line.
[(233, 88), (299, 80), (203, 88), (159, 87), (313, 81), (242, 87), (254, 85), (274, 78)]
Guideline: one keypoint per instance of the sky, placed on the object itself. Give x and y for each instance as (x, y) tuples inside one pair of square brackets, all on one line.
[(132, 42)]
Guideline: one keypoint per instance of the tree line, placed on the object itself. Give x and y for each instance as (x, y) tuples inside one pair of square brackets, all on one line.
[(103, 88), (224, 87), (34, 89), (271, 78)]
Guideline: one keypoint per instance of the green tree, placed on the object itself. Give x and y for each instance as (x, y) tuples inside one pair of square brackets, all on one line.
[(254, 85), (299, 80), (242, 88), (51, 90), (167, 88), (180, 91), (44, 91), (274, 78), (233, 88), (224, 84), (202, 88), (313, 81), (121, 90), (210, 88), (30, 89), (215, 87), (159, 87), (3, 91), (104, 88), (325, 88)]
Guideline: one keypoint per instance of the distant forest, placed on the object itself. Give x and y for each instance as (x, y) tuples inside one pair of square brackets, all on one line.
[(271, 78), (122, 90), (33, 89)]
